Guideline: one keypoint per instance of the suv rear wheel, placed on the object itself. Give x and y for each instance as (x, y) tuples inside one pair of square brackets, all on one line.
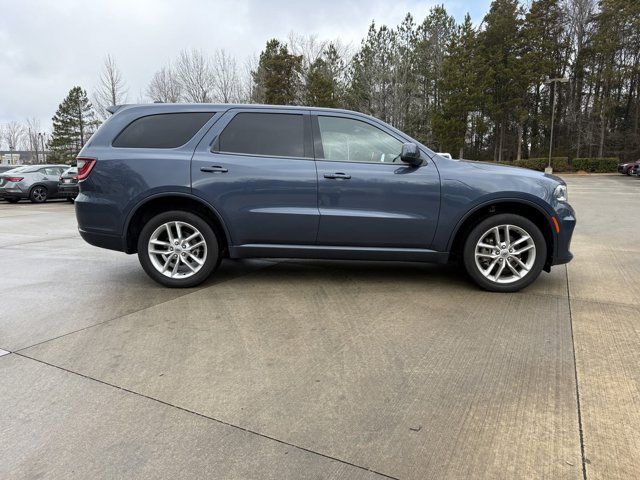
[(178, 249), (505, 253)]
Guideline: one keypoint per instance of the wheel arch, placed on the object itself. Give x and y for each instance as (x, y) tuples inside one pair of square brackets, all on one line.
[(524, 208), (151, 206)]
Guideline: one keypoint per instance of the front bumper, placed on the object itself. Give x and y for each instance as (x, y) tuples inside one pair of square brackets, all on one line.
[(566, 217)]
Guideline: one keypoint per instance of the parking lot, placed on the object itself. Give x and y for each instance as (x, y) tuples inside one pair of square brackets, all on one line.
[(320, 369)]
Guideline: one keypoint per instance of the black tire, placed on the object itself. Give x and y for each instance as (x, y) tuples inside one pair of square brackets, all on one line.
[(504, 219), (213, 250), (38, 194), (13, 200)]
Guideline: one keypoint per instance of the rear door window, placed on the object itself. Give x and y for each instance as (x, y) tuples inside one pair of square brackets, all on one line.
[(269, 134), (167, 130)]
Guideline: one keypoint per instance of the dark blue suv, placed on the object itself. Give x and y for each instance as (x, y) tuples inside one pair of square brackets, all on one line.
[(186, 185)]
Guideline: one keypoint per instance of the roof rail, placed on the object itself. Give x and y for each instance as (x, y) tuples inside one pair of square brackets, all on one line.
[(114, 108)]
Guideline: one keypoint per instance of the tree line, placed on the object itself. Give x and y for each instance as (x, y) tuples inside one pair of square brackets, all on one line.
[(477, 91)]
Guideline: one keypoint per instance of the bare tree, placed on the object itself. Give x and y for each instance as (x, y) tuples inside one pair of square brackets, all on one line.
[(32, 138), (196, 76), (227, 88), (111, 89), (13, 134), (247, 85), (165, 86), (307, 46)]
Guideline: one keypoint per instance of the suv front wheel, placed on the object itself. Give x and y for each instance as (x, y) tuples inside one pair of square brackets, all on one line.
[(178, 249), (505, 253)]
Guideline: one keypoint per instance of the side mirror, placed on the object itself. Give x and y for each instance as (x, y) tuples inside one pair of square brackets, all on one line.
[(411, 154)]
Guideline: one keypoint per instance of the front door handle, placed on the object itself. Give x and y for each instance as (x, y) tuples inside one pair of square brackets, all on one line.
[(214, 169), (336, 175)]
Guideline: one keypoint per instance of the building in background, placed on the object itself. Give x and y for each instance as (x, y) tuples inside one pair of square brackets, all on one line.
[(22, 157)]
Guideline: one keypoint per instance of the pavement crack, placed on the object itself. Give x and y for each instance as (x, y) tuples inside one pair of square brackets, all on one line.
[(222, 422), (575, 370)]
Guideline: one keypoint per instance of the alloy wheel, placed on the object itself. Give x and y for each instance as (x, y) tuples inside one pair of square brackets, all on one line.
[(505, 253), (177, 250), (39, 194)]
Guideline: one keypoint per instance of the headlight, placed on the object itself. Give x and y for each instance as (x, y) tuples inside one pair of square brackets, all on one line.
[(560, 193)]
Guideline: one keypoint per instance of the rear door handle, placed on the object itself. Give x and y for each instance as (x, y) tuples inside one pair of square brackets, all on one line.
[(337, 175), (214, 169)]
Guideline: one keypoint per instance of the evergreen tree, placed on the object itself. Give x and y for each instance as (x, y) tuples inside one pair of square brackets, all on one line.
[(371, 89), (545, 46), (433, 39), (323, 87), (73, 124), (320, 89), (502, 75), (458, 90), (277, 77)]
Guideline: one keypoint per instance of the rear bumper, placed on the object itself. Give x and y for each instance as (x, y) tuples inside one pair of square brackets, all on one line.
[(102, 240), (13, 192), (68, 190)]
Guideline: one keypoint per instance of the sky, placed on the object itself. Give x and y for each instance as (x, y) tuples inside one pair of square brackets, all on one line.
[(47, 47)]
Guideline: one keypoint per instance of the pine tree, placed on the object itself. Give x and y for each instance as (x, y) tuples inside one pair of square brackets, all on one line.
[(320, 89), (545, 46), (371, 74), (73, 124), (502, 75), (432, 42), (277, 77), (458, 90)]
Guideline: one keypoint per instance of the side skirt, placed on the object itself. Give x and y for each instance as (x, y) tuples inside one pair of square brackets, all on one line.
[(337, 253)]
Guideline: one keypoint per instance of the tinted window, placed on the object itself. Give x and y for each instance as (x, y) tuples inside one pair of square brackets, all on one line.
[(273, 134), (347, 140), (168, 130)]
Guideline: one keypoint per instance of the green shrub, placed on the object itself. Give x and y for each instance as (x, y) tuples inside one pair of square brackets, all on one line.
[(559, 164), (595, 164)]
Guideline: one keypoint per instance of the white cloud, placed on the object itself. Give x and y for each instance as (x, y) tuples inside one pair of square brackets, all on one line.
[(48, 47)]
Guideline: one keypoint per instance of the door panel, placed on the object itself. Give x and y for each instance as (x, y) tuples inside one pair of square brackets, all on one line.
[(381, 205), (366, 195), (262, 199)]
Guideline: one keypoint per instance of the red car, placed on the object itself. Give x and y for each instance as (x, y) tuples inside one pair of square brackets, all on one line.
[(628, 168)]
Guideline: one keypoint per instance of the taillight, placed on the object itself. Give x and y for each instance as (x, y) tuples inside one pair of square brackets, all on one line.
[(85, 165), (14, 179)]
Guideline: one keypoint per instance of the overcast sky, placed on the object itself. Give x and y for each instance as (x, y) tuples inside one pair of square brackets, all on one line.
[(47, 47)]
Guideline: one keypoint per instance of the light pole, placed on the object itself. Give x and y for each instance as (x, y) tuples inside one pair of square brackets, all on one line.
[(34, 144), (44, 155), (553, 81)]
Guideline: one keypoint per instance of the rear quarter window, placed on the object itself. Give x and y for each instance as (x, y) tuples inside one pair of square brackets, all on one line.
[(167, 130)]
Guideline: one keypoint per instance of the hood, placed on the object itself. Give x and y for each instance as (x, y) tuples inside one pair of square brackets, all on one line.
[(510, 170)]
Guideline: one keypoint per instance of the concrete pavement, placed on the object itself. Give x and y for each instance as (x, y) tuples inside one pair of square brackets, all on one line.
[(318, 369)]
